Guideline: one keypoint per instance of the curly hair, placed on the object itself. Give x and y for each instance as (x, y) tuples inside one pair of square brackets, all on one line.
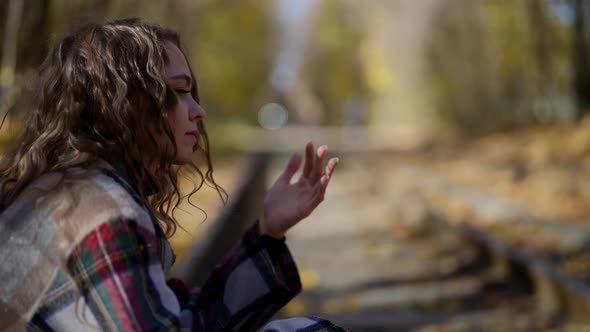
[(101, 96)]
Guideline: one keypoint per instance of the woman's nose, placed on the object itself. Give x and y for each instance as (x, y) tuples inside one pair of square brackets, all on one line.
[(196, 111)]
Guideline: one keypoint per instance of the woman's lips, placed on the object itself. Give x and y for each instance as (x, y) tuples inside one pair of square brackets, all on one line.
[(191, 134)]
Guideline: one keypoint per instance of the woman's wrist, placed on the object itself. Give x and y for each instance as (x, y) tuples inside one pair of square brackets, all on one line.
[(264, 230)]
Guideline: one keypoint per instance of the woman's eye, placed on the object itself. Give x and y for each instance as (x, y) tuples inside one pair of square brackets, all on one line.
[(181, 91)]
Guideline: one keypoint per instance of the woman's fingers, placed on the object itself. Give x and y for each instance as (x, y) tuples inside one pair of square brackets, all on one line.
[(331, 166), (324, 181), (314, 169), (309, 160), (291, 169), (318, 165)]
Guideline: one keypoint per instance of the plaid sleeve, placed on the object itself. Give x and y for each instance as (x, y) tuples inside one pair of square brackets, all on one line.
[(302, 324), (118, 272), (254, 280)]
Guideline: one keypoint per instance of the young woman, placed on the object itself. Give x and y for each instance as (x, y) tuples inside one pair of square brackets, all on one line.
[(88, 193)]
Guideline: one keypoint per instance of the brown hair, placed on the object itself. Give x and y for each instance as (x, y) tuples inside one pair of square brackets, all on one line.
[(101, 95)]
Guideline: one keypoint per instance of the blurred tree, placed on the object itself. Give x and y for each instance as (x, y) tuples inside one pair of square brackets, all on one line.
[(332, 68), (9, 47), (35, 34), (551, 64), (231, 47), (461, 72), (542, 42), (67, 14), (497, 65), (580, 54), (229, 42)]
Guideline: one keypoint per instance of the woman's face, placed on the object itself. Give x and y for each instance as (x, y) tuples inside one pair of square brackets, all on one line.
[(184, 116)]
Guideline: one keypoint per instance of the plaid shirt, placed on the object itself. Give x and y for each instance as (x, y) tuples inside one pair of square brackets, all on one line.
[(94, 256)]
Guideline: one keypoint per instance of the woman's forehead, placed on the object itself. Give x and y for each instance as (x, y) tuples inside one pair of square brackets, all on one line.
[(177, 66)]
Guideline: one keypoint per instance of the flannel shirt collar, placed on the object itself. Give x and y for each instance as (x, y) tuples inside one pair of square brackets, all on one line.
[(118, 166)]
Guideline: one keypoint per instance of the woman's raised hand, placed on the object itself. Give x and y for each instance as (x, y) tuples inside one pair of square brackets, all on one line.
[(288, 203)]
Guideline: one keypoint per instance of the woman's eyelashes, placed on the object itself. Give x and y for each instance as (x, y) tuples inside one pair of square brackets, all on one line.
[(182, 91)]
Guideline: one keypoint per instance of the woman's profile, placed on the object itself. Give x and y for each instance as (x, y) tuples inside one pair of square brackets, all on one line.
[(88, 193)]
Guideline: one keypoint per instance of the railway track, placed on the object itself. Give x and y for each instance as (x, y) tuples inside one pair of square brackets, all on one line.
[(491, 267), (398, 247)]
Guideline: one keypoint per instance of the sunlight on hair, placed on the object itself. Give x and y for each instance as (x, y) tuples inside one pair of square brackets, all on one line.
[(272, 116)]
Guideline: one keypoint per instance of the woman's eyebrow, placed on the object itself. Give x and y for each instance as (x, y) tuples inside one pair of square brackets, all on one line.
[(184, 77)]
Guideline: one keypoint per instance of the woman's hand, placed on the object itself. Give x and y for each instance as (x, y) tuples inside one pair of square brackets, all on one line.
[(288, 203)]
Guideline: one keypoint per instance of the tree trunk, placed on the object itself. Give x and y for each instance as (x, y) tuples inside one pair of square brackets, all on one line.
[(542, 47), (9, 47), (34, 34), (581, 64)]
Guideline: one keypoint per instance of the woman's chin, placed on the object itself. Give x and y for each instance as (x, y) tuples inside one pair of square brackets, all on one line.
[(183, 159)]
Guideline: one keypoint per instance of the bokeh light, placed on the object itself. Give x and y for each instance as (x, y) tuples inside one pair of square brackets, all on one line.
[(273, 116)]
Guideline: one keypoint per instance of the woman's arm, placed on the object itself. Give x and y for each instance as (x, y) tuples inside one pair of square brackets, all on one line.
[(116, 267), (117, 271), (253, 281)]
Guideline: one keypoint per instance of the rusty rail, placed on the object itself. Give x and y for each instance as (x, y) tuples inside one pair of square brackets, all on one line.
[(241, 211), (557, 294)]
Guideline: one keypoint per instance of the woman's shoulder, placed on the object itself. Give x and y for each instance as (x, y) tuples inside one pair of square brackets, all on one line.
[(49, 219), (80, 200)]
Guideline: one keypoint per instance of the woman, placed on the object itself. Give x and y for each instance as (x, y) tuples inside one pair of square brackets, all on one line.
[(86, 190)]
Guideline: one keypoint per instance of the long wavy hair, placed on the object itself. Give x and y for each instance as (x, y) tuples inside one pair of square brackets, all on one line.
[(101, 95)]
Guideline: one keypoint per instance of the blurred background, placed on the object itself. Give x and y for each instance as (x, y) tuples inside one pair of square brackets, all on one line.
[(459, 124)]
